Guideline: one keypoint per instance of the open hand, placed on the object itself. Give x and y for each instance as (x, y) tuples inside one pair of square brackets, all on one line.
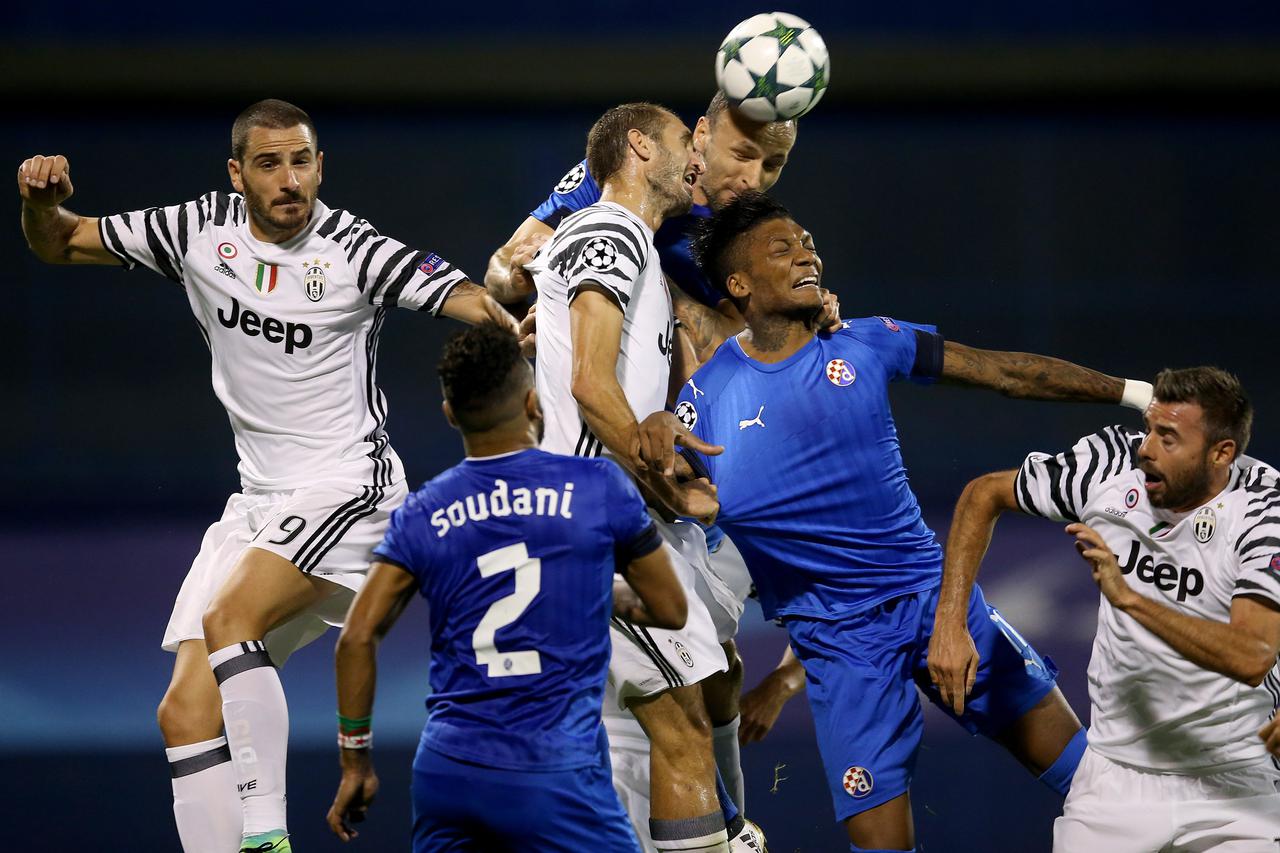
[(1106, 570), (953, 664)]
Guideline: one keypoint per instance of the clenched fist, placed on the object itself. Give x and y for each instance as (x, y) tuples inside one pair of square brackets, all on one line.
[(44, 181)]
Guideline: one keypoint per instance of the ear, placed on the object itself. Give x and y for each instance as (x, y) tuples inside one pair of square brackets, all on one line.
[(701, 135), (448, 414), (640, 144), (319, 167), (233, 170), (738, 286), (532, 405), (1223, 453)]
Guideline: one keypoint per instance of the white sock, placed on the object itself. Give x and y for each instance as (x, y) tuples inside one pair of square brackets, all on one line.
[(724, 743), (257, 720), (205, 803)]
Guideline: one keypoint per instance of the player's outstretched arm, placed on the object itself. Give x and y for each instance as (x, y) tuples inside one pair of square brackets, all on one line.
[(761, 705), (953, 658), (1037, 377), (375, 609), (506, 278), (1244, 648), (55, 234), (650, 594), (471, 304)]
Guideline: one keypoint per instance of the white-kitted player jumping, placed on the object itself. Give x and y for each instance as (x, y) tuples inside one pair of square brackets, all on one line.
[(290, 296), (1183, 535)]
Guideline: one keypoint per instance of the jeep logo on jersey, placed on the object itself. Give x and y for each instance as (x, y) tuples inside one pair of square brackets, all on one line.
[(292, 335), (840, 373), (1204, 524), (1163, 576), (572, 179), (687, 415), (313, 283), (600, 254), (857, 782)]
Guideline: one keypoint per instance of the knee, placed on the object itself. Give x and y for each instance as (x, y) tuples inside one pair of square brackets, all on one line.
[(219, 625), (186, 718), (736, 669)]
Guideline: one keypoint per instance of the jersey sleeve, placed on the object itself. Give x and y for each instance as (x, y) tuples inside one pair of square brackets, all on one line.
[(601, 251), (402, 543), (1058, 487), (393, 274), (576, 190), (157, 237), (907, 350), (1257, 546), (634, 532)]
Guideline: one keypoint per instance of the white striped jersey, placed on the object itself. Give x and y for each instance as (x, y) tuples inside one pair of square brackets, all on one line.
[(1151, 707), (292, 329), (605, 247)]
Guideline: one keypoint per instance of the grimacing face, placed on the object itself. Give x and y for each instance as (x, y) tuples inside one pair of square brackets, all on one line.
[(280, 177), (741, 155), (676, 167), (1176, 456), (782, 272)]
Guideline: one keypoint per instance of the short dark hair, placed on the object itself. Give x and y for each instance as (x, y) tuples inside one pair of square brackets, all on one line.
[(1227, 411), (272, 113), (482, 374), (719, 104), (715, 239), (607, 140)]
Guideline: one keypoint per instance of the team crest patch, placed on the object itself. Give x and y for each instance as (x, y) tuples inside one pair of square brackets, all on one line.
[(227, 250), (687, 414), (313, 283), (858, 782), (572, 179), (840, 373), (265, 280), (889, 324), (431, 264), (1131, 498), (600, 254), (684, 654), (1203, 525)]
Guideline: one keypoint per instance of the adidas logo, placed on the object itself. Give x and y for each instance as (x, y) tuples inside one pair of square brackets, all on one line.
[(224, 269)]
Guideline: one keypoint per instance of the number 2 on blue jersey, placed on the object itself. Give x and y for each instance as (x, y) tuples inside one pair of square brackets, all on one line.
[(506, 610)]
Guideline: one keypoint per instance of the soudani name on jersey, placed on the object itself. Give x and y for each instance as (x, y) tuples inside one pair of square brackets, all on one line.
[(292, 328), (514, 683), (812, 486), (578, 189), (1151, 707)]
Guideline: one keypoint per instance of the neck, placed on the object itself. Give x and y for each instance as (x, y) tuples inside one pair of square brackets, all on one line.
[(506, 438), (1217, 483), (634, 195), (268, 233), (773, 339)]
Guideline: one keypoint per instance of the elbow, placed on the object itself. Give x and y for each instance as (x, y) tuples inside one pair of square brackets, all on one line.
[(1256, 670), (675, 613), (355, 639), (582, 386)]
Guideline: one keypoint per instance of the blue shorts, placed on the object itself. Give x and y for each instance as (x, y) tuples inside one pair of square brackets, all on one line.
[(862, 673), (462, 807)]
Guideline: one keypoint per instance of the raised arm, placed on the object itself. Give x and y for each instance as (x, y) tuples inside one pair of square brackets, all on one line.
[(375, 609), (1037, 377), (953, 658), (506, 279), (55, 234), (472, 304)]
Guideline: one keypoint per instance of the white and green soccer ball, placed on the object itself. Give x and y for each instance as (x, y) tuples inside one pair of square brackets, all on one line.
[(773, 66)]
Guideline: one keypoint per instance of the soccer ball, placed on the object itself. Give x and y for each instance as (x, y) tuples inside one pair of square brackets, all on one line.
[(773, 66)]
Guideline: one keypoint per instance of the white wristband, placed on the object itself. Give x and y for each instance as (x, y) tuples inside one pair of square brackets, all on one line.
[(364, 741), (1137, 394)]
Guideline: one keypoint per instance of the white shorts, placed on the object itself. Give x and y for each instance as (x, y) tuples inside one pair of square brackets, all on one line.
[(1114, 808), (647, 661), (326, 531), (724, 588)]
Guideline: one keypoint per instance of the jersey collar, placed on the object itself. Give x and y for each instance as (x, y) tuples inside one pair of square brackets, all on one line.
[(277, 253), (737, 350)]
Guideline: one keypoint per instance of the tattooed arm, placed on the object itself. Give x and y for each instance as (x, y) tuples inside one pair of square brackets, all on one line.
[(704, 328), (1033, 377)]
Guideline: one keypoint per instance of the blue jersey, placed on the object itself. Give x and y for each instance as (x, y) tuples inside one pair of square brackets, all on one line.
[(812, 486), (578, 189), (516, 555)]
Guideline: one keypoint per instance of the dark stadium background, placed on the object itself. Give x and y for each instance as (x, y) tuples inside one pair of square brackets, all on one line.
[(1093, 180)]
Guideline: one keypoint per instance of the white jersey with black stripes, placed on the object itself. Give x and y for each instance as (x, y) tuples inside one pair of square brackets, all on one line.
[(292, 328), (607, 248), (1152, 708)]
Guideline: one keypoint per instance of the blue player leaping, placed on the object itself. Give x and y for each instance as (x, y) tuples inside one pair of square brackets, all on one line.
[(814, 492), (514, 549)]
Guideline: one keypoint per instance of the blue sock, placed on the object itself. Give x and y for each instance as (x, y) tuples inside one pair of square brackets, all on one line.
[(1058, 776), (733, 821), (853, 848)]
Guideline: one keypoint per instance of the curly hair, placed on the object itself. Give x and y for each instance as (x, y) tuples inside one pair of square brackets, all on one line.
[(482, 374), (714, 241)]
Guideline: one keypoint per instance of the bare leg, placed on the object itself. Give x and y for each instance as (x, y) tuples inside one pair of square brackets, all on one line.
[(1039, 736), (888, 826), (191, 710)]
